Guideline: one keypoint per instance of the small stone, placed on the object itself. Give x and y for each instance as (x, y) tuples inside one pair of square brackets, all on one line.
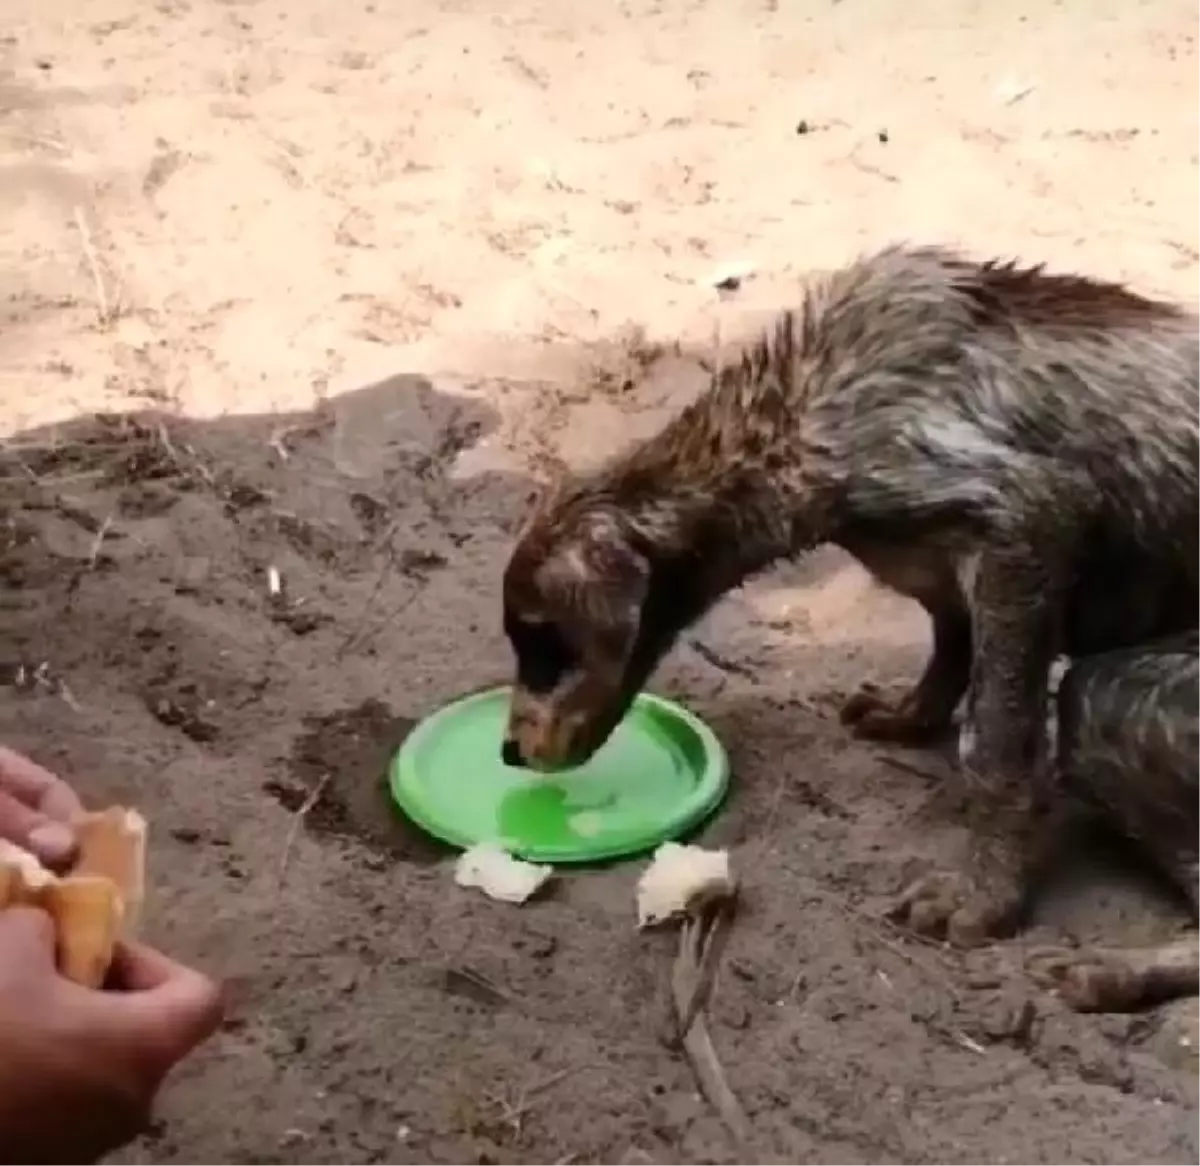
[(1177, 1040), (635, 1157)]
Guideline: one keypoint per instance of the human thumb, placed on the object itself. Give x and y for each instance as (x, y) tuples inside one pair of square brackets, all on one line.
[(172, 1008)]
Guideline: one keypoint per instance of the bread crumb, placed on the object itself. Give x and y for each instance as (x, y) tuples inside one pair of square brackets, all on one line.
[(490, 868), (680, 878)]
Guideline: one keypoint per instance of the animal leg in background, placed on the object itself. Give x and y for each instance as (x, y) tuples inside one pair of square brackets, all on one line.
[(1015, 593), (1129, 748), (926, 711)]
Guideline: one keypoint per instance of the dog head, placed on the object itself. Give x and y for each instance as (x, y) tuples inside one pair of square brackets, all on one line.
[(575, 594)]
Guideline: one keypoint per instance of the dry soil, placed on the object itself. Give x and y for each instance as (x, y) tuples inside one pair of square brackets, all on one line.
[(324, 289)]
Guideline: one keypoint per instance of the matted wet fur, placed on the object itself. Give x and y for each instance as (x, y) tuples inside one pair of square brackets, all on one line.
[(1014, 449)]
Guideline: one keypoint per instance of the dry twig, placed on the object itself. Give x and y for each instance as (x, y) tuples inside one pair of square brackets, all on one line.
[(297, 820), (908, 767), (98, 542), (103, 307), (691, 983), (513, 1113), (43, 678)]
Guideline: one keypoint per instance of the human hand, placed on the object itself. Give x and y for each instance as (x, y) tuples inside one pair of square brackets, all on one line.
[(37, 809), (80, 1069)]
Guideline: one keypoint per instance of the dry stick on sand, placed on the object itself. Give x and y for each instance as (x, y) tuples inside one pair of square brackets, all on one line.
[(103, 307), (358, 635), (306, 806), (717, 921), (361, 636), (926, 775), (691, 983), (513, 1113), (92, 561)]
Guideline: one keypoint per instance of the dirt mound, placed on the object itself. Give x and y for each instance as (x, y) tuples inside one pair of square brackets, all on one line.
[(384, 1015)]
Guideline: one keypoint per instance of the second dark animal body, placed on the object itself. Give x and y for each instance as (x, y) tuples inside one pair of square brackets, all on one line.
[(1018, 451)]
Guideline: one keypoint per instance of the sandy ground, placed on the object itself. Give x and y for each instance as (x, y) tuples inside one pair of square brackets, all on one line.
[(367, 268)]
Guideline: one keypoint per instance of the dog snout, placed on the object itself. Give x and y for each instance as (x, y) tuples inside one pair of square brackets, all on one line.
[(510, 754)]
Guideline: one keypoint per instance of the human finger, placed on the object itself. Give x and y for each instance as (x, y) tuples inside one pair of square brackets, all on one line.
[(168, 1006), (37, 787), (137, 967), (53, 841)]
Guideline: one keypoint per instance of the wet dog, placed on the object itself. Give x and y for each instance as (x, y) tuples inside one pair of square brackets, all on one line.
[(1017, 450)]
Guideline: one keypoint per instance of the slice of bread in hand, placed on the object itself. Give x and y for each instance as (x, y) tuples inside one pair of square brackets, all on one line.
[(112, 845), (97, 903), (87, 915)]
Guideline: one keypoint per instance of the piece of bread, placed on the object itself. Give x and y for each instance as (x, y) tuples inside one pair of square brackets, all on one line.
[(24, 874), (112, 845), (97, 903), (87, 914)]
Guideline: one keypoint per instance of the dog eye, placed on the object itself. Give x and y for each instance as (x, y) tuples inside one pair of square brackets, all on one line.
[(543, 654)]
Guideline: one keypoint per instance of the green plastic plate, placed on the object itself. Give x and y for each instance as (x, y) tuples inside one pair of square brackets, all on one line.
[(660, 773)]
